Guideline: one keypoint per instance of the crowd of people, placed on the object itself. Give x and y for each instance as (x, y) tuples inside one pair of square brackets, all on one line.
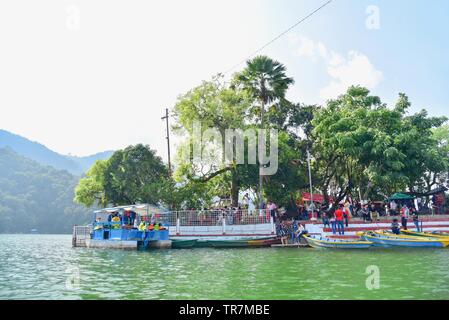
[(128, 220)]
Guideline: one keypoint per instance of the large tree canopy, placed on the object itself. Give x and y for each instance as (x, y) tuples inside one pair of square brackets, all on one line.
[(133, 175)]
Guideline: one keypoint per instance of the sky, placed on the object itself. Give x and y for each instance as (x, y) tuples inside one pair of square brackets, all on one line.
[(84, 76)]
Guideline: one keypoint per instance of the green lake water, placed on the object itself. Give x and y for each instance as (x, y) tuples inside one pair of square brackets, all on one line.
[(47, 267)]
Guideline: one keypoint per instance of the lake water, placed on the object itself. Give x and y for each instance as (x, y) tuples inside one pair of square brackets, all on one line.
[(47, 267)]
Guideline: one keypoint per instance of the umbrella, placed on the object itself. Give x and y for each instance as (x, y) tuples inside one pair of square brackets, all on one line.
[(401, 196)]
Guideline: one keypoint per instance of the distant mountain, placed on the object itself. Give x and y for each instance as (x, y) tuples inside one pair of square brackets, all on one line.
[(35, 196), (40, 153)]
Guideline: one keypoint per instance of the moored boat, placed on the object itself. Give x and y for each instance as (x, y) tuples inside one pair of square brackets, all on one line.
[(438, 235), (183, 244), (244, 243), (384, 239), (320, 242)]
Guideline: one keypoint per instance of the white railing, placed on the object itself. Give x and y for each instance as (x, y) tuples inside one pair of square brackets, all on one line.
[(216, 217), (80, 235), (219, 221)]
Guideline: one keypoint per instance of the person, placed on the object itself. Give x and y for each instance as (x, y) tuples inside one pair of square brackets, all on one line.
[(246, 201), (395, 226), (346, 214), (282, 233), (300, 232), (416, 220), (238, 215), (404, 217), (325, 218), (374, 213), (364, 213), (393, 207), (311, 210), (98, 224), (116, 222), (334, 225), (142, 226), (272, 207), (339, 217), (151, 227)]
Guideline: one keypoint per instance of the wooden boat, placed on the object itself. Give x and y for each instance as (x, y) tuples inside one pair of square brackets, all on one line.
[(438, 235), (385, 239), (183, 244), (320, 242), (245, 243)]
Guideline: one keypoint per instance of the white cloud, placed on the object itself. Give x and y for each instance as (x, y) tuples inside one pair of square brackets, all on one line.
[(354, 68)]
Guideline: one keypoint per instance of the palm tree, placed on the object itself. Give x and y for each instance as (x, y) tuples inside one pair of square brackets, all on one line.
[(266, 80)]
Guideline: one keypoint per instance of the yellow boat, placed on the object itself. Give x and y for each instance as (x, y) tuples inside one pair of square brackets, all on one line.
[(426, 234), (384, 238)]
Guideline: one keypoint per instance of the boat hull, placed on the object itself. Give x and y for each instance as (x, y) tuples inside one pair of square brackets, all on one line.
[(426, 234), (184, 244), (410, 242), (329, 244), (249, 243)]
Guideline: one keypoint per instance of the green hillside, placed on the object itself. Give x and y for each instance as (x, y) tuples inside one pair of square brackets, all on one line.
[(33, 196)]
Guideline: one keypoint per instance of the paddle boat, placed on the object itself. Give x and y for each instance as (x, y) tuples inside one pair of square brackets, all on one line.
[(321, 242), (381, 238)]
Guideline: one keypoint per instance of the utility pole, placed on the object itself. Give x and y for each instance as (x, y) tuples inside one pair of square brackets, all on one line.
[(168, 141), (310, 177)]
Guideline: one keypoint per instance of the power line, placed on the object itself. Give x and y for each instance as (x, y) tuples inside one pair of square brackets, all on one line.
[(279, 36)]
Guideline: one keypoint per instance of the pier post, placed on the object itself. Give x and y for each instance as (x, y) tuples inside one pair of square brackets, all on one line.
[(178, 227), (273, 227), (74, 237)]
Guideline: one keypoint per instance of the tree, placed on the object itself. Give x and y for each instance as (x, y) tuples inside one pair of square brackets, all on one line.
[(133, 175), (220, 107), (90, 189), (361, 145), (267, 83)]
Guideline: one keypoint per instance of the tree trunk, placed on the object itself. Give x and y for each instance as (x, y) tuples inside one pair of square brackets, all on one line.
[(262, 116)]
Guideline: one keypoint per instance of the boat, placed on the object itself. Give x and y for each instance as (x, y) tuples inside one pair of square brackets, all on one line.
[(438, 235), (183, 244), (320, 242), (244, 243), (385, 239)]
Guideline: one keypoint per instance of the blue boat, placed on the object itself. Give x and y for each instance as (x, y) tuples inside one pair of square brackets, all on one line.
[(382, 239), (320, 242), (126, 227)]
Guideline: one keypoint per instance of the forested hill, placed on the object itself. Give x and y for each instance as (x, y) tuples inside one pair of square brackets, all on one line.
[(34, 196), (43, 155)]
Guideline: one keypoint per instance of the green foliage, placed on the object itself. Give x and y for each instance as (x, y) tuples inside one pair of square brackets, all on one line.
[(33, 196), (133, 175), (358, 142)]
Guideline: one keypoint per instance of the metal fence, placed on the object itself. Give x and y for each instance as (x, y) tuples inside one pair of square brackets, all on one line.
[(216, 217)]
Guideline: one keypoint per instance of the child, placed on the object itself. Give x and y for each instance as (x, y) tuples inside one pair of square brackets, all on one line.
[(395, 227)]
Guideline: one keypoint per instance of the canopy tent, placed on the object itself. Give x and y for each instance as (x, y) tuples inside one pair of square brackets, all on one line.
[(401, 196)]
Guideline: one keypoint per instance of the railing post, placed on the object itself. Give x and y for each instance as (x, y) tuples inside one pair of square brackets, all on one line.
[(178, 226), (273, 227), (224, 224)]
